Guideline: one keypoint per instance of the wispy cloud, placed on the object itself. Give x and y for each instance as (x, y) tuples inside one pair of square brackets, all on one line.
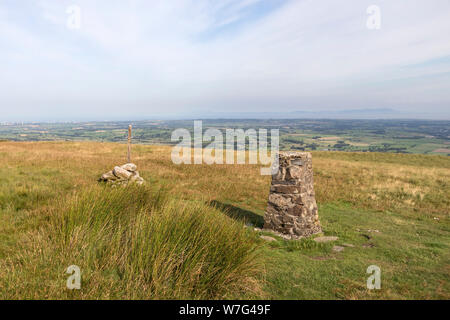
[(158, 57)]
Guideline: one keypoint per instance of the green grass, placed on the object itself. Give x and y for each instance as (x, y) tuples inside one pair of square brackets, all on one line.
[(410, 136), (415, 160), (136, 243), (413, 255), (184, 234)]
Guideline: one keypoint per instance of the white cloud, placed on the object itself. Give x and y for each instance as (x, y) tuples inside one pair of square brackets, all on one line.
[(198, 55)]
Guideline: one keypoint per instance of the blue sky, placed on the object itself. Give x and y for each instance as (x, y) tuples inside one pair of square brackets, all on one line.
[(149, 58)]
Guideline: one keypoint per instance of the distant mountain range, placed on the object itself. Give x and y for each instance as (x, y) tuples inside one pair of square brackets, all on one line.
[(368, 113)]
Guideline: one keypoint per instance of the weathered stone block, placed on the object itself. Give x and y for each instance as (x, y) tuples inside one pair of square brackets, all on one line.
[(281, 188), (292, 208), (129, 167), (122, 173), (108, 176)]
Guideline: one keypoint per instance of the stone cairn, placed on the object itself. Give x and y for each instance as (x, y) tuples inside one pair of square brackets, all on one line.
[(122, 175), (292, 209)]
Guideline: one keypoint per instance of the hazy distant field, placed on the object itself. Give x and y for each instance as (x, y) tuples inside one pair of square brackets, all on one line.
[(131, 243), (397, 136)]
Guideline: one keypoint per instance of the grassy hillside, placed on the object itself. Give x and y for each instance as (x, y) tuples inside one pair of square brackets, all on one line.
[(393, 209)]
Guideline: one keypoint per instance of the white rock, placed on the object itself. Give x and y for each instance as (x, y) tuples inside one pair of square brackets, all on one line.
[(122, 173), (325, 239), (108, 176), (136, 178), (267, 238), (129, 167)]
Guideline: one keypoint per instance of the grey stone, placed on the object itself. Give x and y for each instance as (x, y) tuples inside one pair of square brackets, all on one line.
[(292, 208), (279, 200), (267, 238), (297, 162), (122, 173), (348, 245), (135, 175), (289, 189), (121, 177), (108, 176), (338, 248), (135, 178), (325, 239), (129, 167)]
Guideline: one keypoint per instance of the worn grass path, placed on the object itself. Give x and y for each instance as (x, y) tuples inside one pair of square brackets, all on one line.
[(393, 209)]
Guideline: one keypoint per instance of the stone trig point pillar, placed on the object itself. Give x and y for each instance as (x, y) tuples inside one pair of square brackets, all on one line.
[(292, 208)]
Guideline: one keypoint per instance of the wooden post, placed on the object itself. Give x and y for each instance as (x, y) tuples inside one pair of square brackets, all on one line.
[(129, 143)]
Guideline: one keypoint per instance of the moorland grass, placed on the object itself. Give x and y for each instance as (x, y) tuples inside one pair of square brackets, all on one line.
[(136, 243), (53, 213)]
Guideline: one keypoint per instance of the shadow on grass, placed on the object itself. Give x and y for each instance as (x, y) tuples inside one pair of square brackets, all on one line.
[(238, 213)]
